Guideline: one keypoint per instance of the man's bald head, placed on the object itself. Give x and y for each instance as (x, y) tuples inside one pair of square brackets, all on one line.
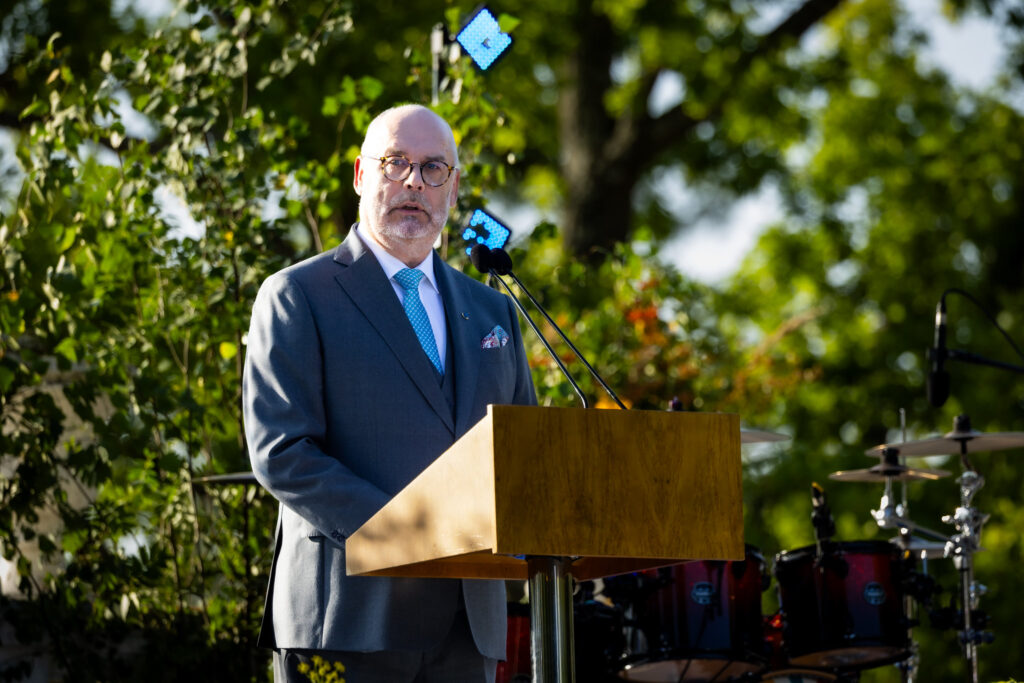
[(382, 122), (405, 216)]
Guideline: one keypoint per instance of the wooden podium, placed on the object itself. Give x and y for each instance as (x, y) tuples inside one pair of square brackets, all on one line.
[(545, 493)]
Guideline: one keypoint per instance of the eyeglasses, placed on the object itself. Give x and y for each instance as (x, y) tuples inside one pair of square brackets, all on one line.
[(397, 168)]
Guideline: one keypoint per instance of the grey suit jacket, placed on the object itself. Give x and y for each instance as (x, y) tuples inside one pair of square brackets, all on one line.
[(342, 410)]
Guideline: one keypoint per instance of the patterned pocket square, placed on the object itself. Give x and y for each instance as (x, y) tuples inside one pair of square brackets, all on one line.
[(495, 339)]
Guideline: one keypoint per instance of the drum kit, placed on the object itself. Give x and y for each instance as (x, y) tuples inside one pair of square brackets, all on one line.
[(844, 607)]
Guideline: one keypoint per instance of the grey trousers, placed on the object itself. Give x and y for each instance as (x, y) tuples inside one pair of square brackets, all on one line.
[(455, 660)]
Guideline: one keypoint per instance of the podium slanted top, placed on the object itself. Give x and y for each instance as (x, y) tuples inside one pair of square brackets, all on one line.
[(619, 491)]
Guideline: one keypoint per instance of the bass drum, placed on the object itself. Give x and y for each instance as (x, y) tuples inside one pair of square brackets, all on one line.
[(843, 610), (698, 621)]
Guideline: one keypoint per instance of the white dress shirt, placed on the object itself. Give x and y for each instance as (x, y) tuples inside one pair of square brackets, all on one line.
[(430, 296)]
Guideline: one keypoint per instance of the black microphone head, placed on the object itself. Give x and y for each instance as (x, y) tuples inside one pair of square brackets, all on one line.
[(482, 257), (817, 494), (501, 262), (938, 387)]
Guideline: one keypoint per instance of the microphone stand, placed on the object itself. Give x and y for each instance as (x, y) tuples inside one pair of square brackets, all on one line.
[(497, 262), (943, 353), (543, 339), (572, 346), (969, 357)]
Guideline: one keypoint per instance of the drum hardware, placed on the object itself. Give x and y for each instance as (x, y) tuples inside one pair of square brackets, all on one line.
[(968, 522), (892, 515), (821, 517), (889, 515), (919, 548), (966, 519)]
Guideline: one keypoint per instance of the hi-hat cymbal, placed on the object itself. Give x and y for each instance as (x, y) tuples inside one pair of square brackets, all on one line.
[(760, 436), (881, 472)]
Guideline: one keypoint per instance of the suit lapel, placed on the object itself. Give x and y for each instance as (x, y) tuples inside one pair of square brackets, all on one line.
[(465, 344), (364, 281)]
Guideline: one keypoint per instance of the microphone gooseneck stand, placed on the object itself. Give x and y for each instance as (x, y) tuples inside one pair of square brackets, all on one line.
[(483, 259), (502, 265), (550, 578)]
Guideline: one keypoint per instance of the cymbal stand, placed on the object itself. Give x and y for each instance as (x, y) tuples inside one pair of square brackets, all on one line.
[(892, 515), (889, 515), (908, 667), (961, 546)]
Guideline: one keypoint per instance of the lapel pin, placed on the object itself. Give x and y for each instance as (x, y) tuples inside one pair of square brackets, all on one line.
[(464, 316)]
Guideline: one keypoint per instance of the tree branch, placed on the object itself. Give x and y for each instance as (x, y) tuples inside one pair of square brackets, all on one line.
[(654, 134)]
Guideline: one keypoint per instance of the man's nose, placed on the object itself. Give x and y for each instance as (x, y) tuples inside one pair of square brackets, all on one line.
[(415, 178)]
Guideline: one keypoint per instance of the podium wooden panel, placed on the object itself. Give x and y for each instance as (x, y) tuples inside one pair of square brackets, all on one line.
[(617, 490)]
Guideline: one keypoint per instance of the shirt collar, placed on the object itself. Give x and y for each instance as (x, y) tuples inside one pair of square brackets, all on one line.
[(392, 265)]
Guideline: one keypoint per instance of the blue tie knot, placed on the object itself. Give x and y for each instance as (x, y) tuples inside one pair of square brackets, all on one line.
[(409, 279)]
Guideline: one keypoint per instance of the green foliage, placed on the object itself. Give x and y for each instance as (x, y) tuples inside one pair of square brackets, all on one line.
[(323, 671), (123, 330)]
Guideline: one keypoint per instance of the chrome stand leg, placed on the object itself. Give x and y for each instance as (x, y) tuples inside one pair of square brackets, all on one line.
[(551, 643)]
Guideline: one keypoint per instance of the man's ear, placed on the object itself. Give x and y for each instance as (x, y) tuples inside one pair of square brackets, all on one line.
[(357, 176), (454, 198)]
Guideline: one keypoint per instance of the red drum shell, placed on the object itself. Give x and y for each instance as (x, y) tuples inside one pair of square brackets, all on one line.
[(700, 621), (517, 667), (844, 610)]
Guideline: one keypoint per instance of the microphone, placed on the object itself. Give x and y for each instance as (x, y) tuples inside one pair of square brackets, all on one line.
[(484, 261), (937, 385), (501, 264)]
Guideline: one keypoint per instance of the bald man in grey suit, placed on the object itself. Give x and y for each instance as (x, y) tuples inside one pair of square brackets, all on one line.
[(358, 375)]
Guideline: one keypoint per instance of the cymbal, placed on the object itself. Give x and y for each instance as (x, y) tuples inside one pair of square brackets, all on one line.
[(950, 443), (920, 548), (963, 439), (881, 472), (760, 436)]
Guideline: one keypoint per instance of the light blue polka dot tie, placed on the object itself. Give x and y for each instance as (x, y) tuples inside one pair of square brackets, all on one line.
[(409, 279)]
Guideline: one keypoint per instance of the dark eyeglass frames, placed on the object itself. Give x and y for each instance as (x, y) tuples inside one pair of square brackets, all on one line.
[(397, 168)]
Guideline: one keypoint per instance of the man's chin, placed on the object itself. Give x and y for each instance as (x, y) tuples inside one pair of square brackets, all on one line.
[(412, 230)]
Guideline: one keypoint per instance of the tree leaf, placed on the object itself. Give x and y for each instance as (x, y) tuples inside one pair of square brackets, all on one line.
[(228, 350)]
